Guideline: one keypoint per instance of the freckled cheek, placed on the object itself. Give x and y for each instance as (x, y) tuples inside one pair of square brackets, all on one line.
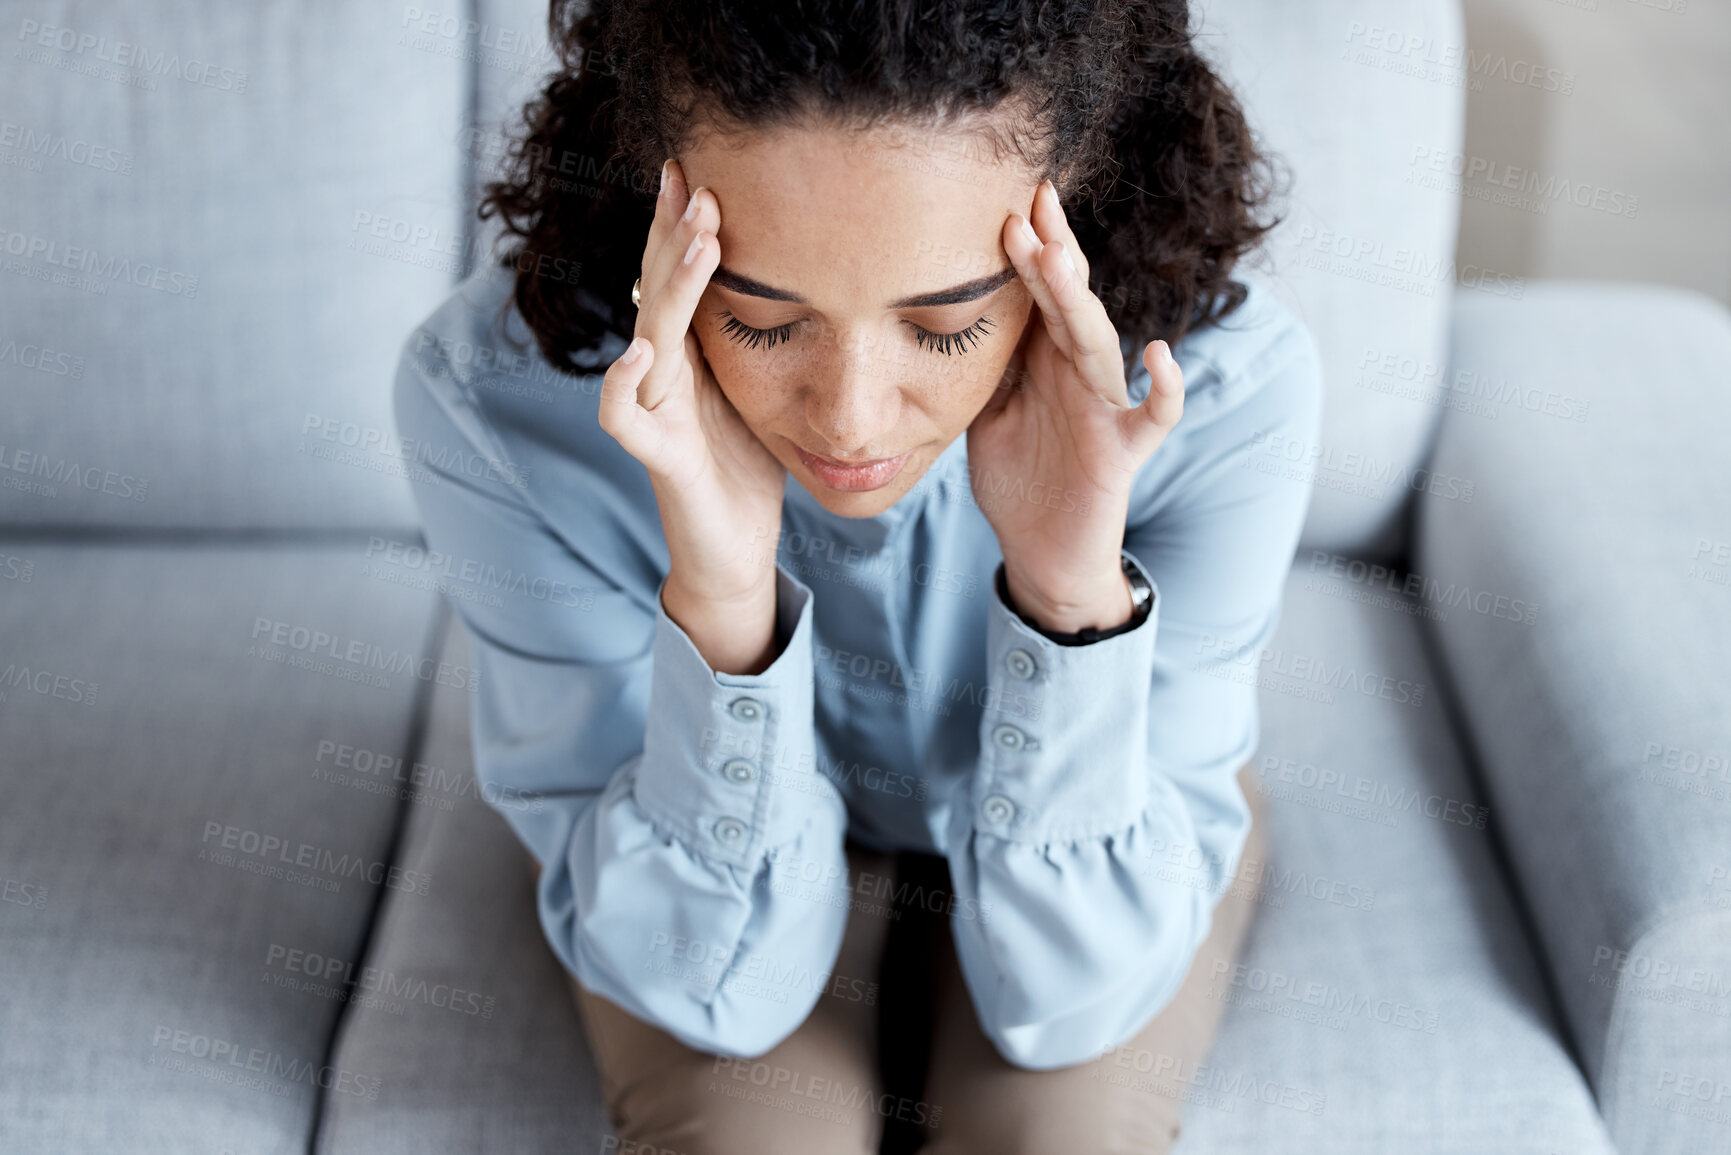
[(757, 385)]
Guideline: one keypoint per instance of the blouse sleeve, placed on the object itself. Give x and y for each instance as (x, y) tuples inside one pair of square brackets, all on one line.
[(1104, 820), (647, 796)]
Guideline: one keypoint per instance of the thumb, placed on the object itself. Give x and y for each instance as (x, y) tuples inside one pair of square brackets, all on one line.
[(619, 413), (1009, 383), (1161, 410)]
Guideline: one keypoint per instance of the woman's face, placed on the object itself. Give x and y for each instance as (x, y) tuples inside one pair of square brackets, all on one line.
[(857, 256)]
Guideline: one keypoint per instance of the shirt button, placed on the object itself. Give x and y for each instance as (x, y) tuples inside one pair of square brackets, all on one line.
[(1020, 663), (1008, 737), (998, 809), (746, 709), (739, 770), (729, 831)]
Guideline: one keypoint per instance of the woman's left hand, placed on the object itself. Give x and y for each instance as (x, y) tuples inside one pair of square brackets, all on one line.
[(1054, 453)]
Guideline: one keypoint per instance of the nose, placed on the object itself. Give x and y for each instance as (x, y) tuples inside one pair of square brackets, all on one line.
[(854, 405)]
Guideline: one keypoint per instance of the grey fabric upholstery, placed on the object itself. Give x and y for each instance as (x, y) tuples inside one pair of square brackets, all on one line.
[(222, 351), (1388, 998), (1604, 727), (486, 1033), (1413, 1019), (147, 733), (214, 393), (1364, 256)]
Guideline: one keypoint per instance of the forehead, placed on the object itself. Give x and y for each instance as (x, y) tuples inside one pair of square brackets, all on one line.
[(855, 219)]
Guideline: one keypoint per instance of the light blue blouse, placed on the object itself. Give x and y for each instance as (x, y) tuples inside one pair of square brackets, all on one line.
[(692, 830)]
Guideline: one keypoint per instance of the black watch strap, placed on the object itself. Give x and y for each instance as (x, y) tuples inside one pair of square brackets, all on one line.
[(1087, 635)]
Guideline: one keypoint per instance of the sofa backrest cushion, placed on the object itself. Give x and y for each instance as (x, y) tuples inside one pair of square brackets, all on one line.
[(1357, 98), (218, 222)]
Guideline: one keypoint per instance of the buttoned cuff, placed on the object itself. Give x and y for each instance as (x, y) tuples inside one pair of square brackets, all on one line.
[(729, 762), (1064, 736)]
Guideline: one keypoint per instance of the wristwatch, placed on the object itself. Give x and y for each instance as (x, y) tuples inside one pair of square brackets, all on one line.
[(1141, 598)]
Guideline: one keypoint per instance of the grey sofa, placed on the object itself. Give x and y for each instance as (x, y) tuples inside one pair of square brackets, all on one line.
[(254, 901)]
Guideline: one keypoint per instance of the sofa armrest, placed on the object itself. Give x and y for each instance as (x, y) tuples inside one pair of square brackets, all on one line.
[(1584, 617)]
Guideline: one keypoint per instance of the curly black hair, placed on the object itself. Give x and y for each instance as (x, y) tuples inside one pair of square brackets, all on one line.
[(1148, 149)]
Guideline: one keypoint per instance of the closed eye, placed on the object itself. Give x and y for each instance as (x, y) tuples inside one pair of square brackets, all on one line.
[(947, 343), (751, 338)]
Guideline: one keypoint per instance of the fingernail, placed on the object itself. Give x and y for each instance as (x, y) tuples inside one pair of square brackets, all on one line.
[(691, 209), (663, 191), (632, 351), (696, 245), (1064, 251), (1028, 231)]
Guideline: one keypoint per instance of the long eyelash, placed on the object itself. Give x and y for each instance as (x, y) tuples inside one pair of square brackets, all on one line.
[(752, 338), (946, 343)]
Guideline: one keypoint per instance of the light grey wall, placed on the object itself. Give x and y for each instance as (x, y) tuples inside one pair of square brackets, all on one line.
[(1623, 99)]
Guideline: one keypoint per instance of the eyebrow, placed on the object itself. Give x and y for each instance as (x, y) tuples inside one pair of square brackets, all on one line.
[(958, 294)]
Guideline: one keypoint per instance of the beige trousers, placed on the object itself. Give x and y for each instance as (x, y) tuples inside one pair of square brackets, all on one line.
[(822, 1090)]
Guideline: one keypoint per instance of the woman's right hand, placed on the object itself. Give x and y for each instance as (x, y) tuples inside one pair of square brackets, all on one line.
[(718, 488)]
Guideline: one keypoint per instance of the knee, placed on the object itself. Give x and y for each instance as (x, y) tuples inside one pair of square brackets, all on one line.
[(712, 1115), (732, 1134), (1032, 1125), (1078, 1137), (736, 1137)]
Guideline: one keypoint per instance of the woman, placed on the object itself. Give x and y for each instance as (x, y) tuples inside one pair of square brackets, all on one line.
[(860, 470)]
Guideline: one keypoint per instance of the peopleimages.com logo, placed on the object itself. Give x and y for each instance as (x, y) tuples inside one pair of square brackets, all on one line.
[(110, 267), (88, 46)]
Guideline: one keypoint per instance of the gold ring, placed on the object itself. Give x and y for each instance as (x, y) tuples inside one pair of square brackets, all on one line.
[(637, 293)]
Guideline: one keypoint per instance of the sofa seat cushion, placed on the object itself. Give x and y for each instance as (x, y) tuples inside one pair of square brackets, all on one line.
[(474, 1023), (1388, 998), (177, 820)]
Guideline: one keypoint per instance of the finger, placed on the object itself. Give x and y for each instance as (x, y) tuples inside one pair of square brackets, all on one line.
[(1149, 423), (1051, 223), (620, 413), (1048, 276), (1074, 317), (1024, 248), (693, 214), (677, 276), (669, 203), (665, 318)]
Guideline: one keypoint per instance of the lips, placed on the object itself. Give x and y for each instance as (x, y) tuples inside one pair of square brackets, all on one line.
[(853, 478)]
